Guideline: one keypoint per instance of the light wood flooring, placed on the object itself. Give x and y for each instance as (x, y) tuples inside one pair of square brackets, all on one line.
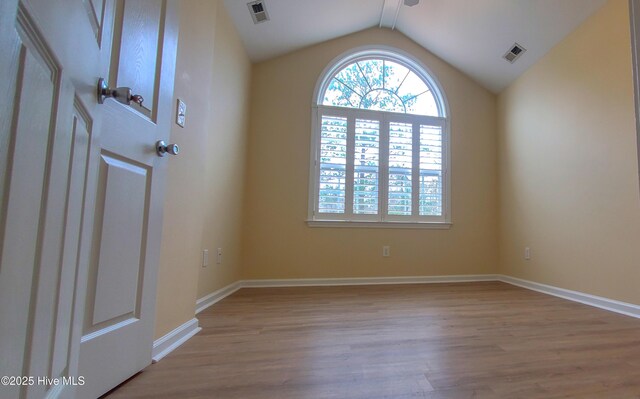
[(467, 340)]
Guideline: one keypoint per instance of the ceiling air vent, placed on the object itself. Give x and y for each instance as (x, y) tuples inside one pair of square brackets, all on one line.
[(514, 53), (258, 11)]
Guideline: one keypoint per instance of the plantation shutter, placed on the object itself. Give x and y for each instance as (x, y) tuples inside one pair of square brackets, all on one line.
[(366, 160), (380, 144), (332, 163)]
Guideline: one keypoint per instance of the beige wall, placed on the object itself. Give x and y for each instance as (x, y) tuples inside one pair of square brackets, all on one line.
[(226, 153), (566, 184), (277, 242), (568, 164), (204, 191)]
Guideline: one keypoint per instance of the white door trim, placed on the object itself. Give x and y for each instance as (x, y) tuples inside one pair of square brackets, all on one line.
[(634, 16)]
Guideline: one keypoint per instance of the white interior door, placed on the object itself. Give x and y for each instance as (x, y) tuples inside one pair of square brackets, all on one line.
[(48, 114), (119, 310), (80, 190)]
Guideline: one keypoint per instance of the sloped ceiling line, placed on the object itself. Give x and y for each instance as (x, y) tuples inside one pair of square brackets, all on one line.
[(471, 35)]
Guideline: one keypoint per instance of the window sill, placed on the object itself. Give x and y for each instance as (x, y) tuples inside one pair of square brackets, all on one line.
[(379, 225)]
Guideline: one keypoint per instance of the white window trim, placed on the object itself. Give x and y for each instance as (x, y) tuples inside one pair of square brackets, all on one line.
[(379, 225), (386, 221)]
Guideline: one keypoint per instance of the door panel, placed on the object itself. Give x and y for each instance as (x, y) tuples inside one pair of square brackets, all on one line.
[(51, 345), (139, 28), (81, 133), (28, 141), (120, 263)]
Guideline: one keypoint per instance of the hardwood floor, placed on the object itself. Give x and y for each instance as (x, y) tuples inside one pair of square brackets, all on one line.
[(467, 340)]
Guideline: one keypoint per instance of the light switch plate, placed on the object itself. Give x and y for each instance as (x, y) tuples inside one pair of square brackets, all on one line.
[(181, 113)]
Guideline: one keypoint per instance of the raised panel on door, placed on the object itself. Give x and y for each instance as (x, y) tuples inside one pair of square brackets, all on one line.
[(138, 35), (28, 141), (58, 264), (118, 264), (81, 134)]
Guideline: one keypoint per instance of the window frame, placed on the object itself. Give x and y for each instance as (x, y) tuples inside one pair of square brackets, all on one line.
[(382, 219)]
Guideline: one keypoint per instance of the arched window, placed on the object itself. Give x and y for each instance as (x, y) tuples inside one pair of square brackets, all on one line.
[(380, 143), (380, 84)]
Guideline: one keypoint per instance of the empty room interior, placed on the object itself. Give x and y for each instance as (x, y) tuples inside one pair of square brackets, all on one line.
[(319, 199)]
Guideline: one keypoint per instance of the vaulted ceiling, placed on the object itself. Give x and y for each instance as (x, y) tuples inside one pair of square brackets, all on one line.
[(471, 35)]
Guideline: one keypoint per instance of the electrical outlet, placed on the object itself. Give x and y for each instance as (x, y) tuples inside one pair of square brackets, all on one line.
[(219, 256), (205, 258), (527, 253), (386, 251)]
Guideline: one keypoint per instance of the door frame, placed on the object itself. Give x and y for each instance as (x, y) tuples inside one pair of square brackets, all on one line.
[(634, 20)]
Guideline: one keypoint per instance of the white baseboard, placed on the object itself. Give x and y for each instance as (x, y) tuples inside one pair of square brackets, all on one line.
[(169, 342), (216, 296), (612, 305), (306, 282), (163, 346), (206, 301), (587, 299)]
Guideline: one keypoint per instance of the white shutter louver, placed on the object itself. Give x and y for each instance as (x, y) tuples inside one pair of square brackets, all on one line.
[(430, 198), (400, 165), (333, 159), (366, 167)]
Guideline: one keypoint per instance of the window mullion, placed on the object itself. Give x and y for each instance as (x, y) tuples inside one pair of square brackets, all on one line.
[(351, 145), (383, 182), (415, 173)]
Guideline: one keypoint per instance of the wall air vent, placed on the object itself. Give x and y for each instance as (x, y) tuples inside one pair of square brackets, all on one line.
[(258, 11), (514, 53)]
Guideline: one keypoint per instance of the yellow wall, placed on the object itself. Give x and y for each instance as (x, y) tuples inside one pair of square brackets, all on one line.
[(278, 244), (225, 150), (204, 190), (568, 164), (562, 178)]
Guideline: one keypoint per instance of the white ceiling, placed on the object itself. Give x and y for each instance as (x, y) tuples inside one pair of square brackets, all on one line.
[(471, 35)]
